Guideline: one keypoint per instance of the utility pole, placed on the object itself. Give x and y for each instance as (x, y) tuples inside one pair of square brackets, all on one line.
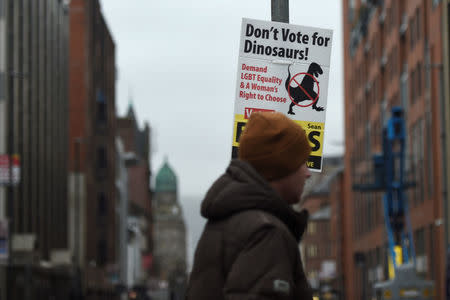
[(280, 11)]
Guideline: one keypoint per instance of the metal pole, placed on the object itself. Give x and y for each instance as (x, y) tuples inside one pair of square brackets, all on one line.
[(280, 11), (77, 202)]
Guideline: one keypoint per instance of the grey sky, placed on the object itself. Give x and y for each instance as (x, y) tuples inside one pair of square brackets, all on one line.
[(179, 60)]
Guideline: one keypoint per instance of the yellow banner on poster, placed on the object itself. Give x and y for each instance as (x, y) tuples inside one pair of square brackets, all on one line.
[(314, 132)]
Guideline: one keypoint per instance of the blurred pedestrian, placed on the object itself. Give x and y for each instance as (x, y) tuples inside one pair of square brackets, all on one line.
[(249, 247)]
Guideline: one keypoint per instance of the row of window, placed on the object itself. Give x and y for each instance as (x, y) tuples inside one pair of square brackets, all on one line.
[(417, 85), (368, 212), (417, 161), (318, 227), (314, 251), (392, 66), (374, 55), (362, 107), (368, 205), (392, 16), (368, 143), (415, 28)]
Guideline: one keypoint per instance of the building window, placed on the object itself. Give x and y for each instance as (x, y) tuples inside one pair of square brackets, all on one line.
[(102, 205), (393, 14), (101, 252), (312, 251), (435, 3), (312, 228), (419, 79), (102, 161), (418, 168), (430, 175), (387, 24), (418, 25), (416, 88), (420, 241), (404, 90), (101, 107), (368, 142), (412, 33)]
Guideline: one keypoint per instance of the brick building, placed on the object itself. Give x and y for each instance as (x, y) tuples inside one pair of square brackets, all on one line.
[(393, 57), (321, 245), (92, 153)]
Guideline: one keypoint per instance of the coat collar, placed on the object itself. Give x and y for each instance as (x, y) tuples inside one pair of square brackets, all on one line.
[(241, 188)]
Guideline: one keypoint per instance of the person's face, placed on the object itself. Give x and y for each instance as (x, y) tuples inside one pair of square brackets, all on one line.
[(295, 183)]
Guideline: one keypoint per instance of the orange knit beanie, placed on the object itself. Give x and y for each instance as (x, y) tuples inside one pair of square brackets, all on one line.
[(273, 144)]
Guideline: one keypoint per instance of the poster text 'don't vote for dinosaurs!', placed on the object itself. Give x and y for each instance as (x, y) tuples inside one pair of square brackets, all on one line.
[(285, 68)]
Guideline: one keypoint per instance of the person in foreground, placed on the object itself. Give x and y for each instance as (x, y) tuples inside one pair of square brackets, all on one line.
[(249, 247)]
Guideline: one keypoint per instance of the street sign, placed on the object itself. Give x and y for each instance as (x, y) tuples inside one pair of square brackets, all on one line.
[(285, 68), (4, 169), (5, 174)]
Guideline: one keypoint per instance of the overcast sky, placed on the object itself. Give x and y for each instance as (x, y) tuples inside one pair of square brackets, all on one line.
[(178, 62)]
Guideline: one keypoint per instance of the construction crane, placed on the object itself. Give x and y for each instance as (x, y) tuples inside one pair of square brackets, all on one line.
[(389, 172)]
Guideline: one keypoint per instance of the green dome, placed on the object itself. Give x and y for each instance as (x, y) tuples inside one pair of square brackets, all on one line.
[(166, 180)]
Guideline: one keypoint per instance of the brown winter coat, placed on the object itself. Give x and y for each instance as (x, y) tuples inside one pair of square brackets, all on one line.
[(249, 247)]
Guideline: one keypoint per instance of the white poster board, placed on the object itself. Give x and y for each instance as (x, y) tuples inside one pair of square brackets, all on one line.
[(285, 68)]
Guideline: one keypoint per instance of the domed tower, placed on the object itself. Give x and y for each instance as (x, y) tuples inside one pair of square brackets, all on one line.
[(169, 227), (166, 186)]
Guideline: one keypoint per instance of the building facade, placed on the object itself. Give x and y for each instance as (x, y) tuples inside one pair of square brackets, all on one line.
[(33, 117), (33, 125), (137, 151), (321, 245), (92, 148), (122, 213), (169, 232), (394, 57)]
